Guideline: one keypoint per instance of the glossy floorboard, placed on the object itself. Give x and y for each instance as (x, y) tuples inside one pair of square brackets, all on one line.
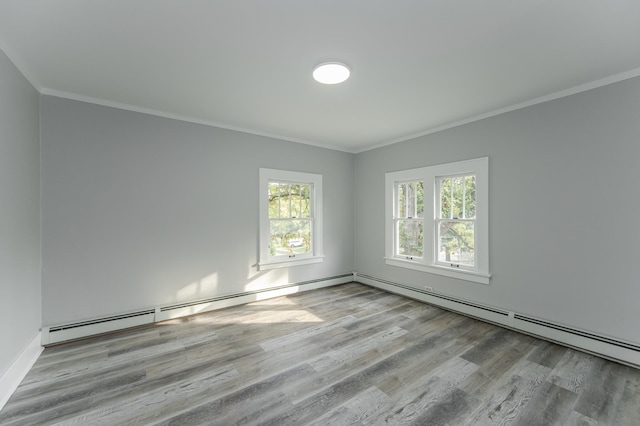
[(345, 355)]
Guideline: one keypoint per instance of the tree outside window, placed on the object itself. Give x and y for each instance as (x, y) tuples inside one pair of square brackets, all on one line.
[(290, 221), (456, 220)]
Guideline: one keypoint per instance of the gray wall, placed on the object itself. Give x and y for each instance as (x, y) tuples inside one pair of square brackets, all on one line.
[(19, 214), (140, 211), (563, 208)]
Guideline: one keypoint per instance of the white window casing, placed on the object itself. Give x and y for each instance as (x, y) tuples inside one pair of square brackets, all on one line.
[(296, 250), (476, 268)]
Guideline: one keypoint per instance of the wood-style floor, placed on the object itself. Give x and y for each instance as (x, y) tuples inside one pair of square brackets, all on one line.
[(345, 355)]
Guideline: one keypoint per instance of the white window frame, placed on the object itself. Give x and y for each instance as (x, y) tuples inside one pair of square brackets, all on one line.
[(315, 255), (429, 261)]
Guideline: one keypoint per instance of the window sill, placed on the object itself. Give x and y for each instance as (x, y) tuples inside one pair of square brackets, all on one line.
[(289, 263), (477, 277)]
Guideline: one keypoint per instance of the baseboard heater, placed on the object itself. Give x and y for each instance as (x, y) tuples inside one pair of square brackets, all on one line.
[(604, 346), (78, 330)]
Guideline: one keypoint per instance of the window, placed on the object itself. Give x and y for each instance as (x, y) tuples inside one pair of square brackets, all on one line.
[(437, 219), (290, 218)]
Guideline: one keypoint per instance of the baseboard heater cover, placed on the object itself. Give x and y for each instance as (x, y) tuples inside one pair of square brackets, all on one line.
[(440, 296), (77, 330), (604, 346), (577, 332)]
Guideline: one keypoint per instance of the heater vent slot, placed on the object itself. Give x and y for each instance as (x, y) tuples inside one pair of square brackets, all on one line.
[(100, 321), (577, 332)]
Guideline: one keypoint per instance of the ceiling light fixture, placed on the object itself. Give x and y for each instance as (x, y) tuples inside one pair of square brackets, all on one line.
[(331, 73)]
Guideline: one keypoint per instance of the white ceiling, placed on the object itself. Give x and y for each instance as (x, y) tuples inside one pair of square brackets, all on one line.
[(417, 65)]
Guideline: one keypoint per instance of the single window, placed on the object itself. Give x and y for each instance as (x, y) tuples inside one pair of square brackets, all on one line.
[(290, 218), (437, 219)]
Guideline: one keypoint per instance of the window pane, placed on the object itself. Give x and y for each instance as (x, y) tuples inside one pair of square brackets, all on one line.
[(456, 242), (296, 201), (402, 195), (290, 236), (285, 199), (420, 199), (458, 197), (457, 184), (410, 199), (289, 200), (305, 202), (410, 202), (274, 199), (409, 238), (470, 197), (445, 198)]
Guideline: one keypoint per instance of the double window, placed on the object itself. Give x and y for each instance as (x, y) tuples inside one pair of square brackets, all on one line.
[(437, 219), (290, 218)]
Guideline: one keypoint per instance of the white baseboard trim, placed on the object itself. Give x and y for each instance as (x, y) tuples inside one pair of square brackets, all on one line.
[(11, 379), (73, 331), (624, 352)]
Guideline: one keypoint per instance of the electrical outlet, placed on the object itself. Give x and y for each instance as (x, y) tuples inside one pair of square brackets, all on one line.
[(428, 288)]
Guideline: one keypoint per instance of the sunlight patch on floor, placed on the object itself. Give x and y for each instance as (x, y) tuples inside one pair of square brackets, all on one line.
[(262, 317), (278, 301)]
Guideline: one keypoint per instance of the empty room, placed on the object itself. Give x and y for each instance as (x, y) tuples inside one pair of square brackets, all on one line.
[(332, 213)]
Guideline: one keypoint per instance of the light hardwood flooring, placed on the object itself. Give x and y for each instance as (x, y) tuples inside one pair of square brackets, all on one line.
[(344, 355)]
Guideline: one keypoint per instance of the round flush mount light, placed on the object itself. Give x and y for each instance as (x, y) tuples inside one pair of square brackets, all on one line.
[(331, 73)]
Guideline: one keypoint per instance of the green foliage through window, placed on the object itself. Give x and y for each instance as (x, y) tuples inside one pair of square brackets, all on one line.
[(409, 216), (290, 218), (457, 196)]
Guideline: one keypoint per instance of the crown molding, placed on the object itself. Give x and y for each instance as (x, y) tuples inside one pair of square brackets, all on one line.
[(542, 99)]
